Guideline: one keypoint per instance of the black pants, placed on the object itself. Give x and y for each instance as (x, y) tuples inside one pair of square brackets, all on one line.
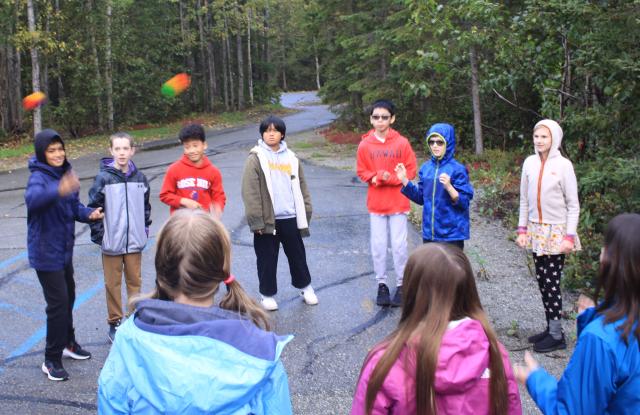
[(459, 244), (59, 290), (548, 273), (267, 247)]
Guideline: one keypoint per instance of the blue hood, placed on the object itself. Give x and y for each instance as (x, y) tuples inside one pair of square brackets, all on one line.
[(447, 133)]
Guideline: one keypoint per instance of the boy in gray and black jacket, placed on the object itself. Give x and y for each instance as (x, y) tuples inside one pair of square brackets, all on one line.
[(122, 191)]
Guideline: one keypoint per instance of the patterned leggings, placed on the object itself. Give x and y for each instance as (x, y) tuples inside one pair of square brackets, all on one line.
[(548, 273)]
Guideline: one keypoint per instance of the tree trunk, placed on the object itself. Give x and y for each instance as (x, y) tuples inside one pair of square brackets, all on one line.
[(565, 87), (96, 63), (475, 97), (232, 97), (240, 71), (35, 68), (189, 61), (225, 75), (317, 61), (267, 47), (61, 93), (249, 64), (203, 59), (108, 70), (283, 67), (210, 57)]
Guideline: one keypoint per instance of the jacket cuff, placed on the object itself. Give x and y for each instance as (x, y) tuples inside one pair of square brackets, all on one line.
[(522, 230)]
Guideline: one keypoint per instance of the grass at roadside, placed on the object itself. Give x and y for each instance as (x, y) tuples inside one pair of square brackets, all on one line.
[(15, 153), (314, 147)]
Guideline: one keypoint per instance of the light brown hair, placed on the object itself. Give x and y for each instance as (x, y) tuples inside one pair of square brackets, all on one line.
[(120, 134), (438, 287), (193, 257)]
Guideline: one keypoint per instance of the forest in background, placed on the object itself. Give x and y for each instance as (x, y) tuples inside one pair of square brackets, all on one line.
[(490, 68)]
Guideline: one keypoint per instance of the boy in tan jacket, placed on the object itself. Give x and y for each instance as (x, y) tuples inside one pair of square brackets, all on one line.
[(278, 210)]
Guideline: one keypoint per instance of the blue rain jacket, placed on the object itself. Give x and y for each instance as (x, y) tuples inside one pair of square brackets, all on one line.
[(442, 220), (173, 358), (50, 217), (602, 377)]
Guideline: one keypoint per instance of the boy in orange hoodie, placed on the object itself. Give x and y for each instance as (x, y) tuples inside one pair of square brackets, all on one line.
[(380, 150), (193, 182)]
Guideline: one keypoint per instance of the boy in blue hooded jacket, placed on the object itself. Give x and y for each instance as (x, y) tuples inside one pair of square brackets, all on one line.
[(443, 189), (53, 207)]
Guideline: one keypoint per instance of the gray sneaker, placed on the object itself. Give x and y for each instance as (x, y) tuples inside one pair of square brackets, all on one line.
[(384, 298), (113, 327)]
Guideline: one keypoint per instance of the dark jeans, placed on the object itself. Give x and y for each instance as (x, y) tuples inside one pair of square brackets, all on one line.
[(59, 290), (459, 244), (267, 247)]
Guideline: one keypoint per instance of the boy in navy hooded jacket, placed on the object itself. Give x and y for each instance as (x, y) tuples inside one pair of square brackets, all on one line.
[(53, 207)]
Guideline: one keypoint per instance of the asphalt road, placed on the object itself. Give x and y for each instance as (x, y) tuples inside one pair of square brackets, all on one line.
[(331, 339)]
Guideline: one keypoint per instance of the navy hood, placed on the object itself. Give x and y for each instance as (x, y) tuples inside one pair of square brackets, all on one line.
[(42, 141), (447, 133)]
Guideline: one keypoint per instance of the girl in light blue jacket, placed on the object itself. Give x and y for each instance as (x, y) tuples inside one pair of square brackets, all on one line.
[(603, 375), (181, 353)]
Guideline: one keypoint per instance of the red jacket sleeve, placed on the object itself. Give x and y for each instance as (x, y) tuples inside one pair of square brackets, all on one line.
[(218, 197), (363, 169), (168, 193)]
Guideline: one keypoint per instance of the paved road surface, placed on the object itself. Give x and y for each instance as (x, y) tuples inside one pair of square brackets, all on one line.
[(331, 339)]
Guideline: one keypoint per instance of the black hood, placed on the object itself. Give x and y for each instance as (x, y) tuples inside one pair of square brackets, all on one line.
[(42, 141)]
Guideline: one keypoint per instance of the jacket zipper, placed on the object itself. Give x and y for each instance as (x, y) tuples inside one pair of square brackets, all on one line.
[(433, 202), (126, 204), (540, 191)]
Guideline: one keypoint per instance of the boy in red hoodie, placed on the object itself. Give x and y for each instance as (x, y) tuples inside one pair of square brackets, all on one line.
[(193, 182), (380, 150)]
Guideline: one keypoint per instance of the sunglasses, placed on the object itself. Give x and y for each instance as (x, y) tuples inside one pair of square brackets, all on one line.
[(438, 143), (381, 117)]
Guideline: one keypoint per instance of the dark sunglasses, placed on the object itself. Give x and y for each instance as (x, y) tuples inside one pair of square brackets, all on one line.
[(381, 117), (436, 143)]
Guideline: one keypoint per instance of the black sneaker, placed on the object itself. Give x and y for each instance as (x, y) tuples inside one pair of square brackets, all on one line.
[(75, 351), (54, 370), (396, 301), (384, 298), (113, 327), (537, 337), (549, 344)]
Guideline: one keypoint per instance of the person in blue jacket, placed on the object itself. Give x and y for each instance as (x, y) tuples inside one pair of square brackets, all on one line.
[(443, 189), (53, 207), (603, 375), (182, 353)]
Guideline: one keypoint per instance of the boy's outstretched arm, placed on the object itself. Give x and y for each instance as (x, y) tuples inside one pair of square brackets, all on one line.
[(168, 192)]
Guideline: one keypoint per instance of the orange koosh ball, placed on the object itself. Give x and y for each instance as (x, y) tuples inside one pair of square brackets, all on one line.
[(34, 100), (176, 85)]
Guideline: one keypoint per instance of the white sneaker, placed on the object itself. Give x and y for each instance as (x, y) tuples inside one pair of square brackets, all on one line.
[(269, 303), (309, 295)]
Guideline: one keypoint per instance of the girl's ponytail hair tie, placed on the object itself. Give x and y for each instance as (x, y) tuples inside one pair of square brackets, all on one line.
[(231, 278)]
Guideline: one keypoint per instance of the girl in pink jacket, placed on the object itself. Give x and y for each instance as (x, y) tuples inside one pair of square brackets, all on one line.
[(444, 357), (549, 211)]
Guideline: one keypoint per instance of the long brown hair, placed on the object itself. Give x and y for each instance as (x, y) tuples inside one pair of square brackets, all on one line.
[(193, 257), (619, 275), (438, 287)]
